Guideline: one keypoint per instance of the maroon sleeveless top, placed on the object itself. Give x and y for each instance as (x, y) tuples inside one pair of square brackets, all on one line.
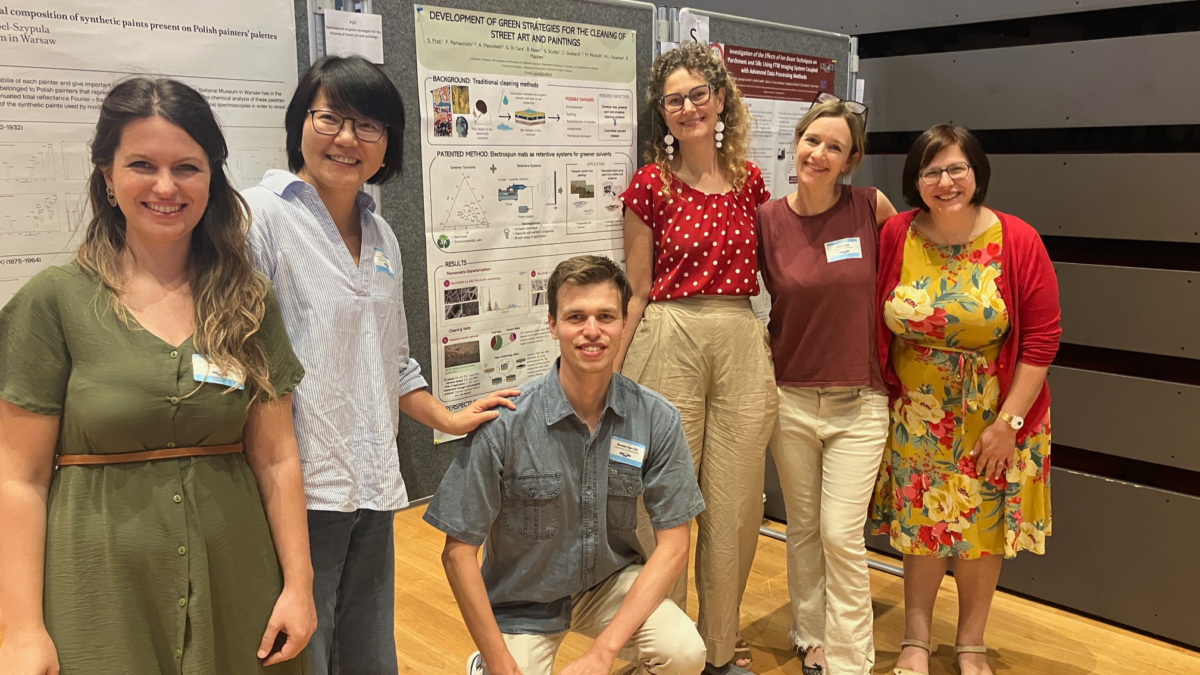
[(820, 272)]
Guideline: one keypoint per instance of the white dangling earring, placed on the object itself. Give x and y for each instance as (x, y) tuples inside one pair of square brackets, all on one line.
[(720, 128), (669, 142)]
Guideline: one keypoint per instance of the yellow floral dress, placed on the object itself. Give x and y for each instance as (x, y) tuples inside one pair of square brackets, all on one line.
[(948, 322)]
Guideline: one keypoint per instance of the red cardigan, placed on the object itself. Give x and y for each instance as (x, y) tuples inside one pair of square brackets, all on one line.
[(1027, 284)]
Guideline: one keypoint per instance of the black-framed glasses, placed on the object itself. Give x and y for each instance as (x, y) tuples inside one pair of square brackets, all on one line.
[(854, 107), (956, 171), (698, 96), (329, 123)]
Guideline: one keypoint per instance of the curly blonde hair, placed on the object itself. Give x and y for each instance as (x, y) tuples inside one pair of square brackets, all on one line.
[(699, 60)]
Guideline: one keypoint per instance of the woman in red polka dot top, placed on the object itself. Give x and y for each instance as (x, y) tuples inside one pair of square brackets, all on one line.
[(691, 253)]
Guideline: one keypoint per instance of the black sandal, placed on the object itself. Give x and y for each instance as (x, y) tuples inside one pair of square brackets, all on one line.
[(809, 670)]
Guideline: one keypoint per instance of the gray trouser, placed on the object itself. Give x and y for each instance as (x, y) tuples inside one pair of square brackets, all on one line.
[(354, 589)]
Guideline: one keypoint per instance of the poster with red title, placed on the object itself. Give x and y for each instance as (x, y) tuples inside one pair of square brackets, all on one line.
[(778, 88)]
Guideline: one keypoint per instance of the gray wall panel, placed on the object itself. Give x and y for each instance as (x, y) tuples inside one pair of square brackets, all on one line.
[(1123, 416), (1125, 81), (1057, 194), (1130, 308), (1089, 567), (1092, 566), (873, 16), (1060, 194)]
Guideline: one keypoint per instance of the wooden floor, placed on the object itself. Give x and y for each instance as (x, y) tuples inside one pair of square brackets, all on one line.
[(1026, 638)]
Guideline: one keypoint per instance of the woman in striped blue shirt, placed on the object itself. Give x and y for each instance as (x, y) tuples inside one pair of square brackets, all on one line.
[(336, 267)]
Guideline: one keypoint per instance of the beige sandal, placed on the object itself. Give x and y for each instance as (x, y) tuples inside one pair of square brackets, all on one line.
[(909, 642), (968, 649)]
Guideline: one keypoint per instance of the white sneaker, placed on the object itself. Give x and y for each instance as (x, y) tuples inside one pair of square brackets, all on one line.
[(475, 665)]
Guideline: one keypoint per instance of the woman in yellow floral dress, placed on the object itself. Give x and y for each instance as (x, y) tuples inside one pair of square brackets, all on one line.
[(970, 307)]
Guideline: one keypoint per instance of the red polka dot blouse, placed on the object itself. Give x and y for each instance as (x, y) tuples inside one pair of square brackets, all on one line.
[(703, 244)]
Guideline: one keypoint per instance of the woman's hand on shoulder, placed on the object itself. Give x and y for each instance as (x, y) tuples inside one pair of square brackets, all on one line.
[(28, 652), (883, 208)]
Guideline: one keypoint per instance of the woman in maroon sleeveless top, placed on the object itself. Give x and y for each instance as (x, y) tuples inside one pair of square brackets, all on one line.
[(691, 252), (818, 251)]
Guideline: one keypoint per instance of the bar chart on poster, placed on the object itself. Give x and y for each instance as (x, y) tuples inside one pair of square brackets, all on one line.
[(58, 62)]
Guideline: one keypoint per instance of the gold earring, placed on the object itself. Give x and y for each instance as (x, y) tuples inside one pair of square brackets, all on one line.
[(112, 196)]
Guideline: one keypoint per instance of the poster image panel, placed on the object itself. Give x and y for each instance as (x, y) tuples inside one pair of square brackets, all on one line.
[(59, 58), (527, 138)]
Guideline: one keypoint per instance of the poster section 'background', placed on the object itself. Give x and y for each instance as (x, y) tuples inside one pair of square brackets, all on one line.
[(778, 88), (528, 132), (61, 58)]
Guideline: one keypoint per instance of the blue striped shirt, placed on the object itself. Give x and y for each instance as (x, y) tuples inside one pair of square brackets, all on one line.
[(347, 325)]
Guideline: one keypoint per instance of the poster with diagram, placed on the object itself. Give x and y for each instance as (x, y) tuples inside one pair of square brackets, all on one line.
[(527, 137), (60, 58), (778, 88)]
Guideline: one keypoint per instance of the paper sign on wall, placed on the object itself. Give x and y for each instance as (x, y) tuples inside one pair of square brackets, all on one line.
[(693, 28), (349, 33)]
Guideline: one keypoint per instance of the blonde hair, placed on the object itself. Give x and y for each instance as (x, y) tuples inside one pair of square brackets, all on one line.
[(700, 61), (858, 129), (228, 296)]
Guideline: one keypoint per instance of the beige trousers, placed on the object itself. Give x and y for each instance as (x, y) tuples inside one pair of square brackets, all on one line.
[(827, 446), (666, 644), (710, 358)]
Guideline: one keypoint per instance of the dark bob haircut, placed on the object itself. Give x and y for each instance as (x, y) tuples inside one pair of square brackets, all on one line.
[(928, 145), (355, 87)]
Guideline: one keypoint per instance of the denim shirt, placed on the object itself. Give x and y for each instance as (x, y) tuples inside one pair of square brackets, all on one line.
[(554, 513)]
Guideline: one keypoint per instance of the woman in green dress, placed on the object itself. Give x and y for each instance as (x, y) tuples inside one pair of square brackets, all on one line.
[(154, 372)]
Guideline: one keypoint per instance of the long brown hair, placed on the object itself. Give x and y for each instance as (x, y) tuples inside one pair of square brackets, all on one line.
[(227, 294), (699, 60)]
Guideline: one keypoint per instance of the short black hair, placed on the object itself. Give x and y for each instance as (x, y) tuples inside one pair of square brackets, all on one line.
[(353, 86), (936, 139), (585, 270)]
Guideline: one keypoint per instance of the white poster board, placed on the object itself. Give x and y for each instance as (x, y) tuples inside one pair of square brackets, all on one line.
[(528, 128), (61, 58)]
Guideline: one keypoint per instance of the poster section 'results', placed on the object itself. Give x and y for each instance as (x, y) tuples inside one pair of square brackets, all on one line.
[(60, 59), (777, 88), (527, 138)]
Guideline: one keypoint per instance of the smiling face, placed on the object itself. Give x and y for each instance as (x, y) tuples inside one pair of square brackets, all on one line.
[(160, 176), (588, 327), (340, 162), (691, 124), (823, 152), (947, 196)]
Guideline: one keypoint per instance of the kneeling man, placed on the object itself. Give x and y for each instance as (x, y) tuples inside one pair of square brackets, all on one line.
[(550, 491)]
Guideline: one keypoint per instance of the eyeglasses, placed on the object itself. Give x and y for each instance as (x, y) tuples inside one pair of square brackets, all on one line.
[(329, 123), (698, 96), (854, 107), (933, 176)]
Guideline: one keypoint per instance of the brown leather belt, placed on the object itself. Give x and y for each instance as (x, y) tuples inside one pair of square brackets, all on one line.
[(146, 455)]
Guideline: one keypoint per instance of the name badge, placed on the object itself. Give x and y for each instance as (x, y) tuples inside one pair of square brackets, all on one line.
[(626, 452), (843, 249), (203, 371), (382, 264)]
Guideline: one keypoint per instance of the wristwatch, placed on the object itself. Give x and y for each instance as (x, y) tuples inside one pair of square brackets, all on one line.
[(1014, 421)]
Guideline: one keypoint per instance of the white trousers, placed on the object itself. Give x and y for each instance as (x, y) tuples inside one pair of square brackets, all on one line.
[(827, 446), (666, 644)]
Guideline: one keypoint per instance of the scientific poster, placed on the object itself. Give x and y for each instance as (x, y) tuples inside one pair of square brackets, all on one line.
[(778, 88), (527, 137), (59, 59)]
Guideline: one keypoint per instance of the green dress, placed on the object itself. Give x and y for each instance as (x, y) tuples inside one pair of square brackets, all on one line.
[(151, 567)]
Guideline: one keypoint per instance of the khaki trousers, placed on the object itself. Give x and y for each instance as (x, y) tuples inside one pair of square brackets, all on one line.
[(666, 644), (827, 445), (710, 358)]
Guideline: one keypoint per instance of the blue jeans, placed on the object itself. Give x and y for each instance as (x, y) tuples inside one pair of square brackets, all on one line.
[(354, 588)]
